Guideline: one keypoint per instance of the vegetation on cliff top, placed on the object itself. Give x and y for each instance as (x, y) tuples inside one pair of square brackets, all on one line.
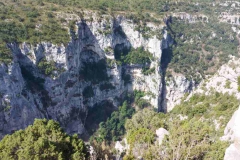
[(36, 21), (198, 49)]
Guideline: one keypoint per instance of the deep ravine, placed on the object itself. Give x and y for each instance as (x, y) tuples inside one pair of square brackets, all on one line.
[(165, 60)]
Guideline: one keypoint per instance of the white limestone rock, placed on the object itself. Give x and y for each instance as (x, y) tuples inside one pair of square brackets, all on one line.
[(176, 88), (191, 18), (227, 73), (161, 133), (232, 153), (232, 133), (122, 146)]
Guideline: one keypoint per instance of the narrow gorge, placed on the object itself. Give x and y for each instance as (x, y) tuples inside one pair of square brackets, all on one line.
[(165, 60)]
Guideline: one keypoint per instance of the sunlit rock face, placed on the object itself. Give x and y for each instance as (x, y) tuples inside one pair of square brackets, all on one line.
[(232, 133), (177, 86), (228, 73)]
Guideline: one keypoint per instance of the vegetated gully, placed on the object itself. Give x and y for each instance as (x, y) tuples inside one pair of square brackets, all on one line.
[(165, 60)]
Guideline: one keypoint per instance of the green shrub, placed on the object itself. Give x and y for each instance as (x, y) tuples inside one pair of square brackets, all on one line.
[(42, 140), (141, 103), (212, 106), (12, 32), (137, 56), (140, 136), (113, 129), (50, 15), (5, 53), (129, 157), (146, 118), (33, 13), (47, 67), (148, 71), (53, 32), (7, 108), (189, 138), (227, 84)]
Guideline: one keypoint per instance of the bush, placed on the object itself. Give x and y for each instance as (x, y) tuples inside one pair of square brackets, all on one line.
[(140, 136), (5, 53), (47, 67), (141, 103), (137, 56), (42, 140), (188, 138), (33, 14), (148, 71), (213, 106), (227, 84), (50, 15), (12, 32), (145, 118), (113, 129)]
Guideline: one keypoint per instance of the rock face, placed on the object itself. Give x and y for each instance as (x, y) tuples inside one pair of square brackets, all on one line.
[(121, 147), (190, 18), (84, 74), (232, 133), (225, 80), (176, 88)]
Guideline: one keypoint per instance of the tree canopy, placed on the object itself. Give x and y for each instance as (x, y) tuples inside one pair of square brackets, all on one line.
[(42, 140)]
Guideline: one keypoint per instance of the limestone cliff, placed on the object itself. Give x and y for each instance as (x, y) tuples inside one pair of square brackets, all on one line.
[(232, 133), (78, 76)]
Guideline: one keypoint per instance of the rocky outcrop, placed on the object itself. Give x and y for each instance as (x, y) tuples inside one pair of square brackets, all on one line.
[(232, 133), (121, 147), (177, 86), (190, 18), (161, 133), (229, 18), (225, 80), (233, 4), (232, 127)]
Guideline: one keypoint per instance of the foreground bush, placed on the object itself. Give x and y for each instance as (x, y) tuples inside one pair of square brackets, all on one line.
[(42, 140)]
